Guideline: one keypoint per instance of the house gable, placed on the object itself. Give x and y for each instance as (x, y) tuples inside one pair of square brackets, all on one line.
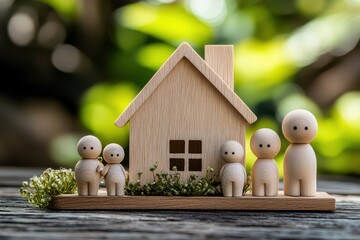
[(185, 51)]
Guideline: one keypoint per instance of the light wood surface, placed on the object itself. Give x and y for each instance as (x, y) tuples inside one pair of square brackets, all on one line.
[(232, 174), (321, 202), (299, 128), (233, 177), (185, 106), (186, 51), (185, 100), (221, 59), (87, 170), (114, 173), (265, 144)]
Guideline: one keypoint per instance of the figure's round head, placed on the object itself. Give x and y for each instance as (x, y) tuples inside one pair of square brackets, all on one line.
[(299, 126), (265, 143), (232, 151), (113, 153), (89, 147)]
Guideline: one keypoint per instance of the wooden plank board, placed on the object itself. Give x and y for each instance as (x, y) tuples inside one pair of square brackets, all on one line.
[(321, 202)]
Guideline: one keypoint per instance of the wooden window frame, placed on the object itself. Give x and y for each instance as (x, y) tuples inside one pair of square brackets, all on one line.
[(186, 155)]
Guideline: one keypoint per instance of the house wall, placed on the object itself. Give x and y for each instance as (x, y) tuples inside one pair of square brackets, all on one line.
[(185, 106)]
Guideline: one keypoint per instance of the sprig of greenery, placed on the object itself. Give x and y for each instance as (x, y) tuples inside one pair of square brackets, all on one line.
[(40, 190), (247, 185), (169, 184)]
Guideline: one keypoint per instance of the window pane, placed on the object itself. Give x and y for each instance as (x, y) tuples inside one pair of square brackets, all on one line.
[(195, 164), (177, 146), (195, 146), (179, 163)]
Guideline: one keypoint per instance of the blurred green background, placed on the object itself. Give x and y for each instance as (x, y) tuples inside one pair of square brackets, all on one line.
[(70, 67)]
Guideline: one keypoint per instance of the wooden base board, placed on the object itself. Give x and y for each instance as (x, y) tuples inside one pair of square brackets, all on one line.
[(321, 202)]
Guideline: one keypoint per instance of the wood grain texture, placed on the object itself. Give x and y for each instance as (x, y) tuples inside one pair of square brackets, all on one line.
[(233, 177), (185, 100), (114, 173), (87, 170), (184, 107), (221, 59), (321, 202), (185, 51), (265, 144), (232, 173), (299, 170), (299, 128), (20, 220)]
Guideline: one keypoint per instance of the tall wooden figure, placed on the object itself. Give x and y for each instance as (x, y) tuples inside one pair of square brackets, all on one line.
[(265, 144), (300, 127), (232, 174), (114, 173), (87, 170)]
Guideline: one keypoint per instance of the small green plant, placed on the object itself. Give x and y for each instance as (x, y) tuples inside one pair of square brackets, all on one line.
[(169, 184), (40, 190), (247, 185)]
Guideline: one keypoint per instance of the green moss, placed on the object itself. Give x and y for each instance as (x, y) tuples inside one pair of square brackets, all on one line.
[(40, 190), (169, 184)]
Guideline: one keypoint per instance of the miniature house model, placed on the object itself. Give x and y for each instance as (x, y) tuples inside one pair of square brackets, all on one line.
[(185, 113), (189, 117)]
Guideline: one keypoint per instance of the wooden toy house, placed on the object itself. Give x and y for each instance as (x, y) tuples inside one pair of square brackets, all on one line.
[(185, 113), (181, 118)]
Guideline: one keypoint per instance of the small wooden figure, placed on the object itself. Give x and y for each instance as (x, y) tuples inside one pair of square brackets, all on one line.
[(265, 144), (114, 172), (299, 128), (87, 170), (232, 174)]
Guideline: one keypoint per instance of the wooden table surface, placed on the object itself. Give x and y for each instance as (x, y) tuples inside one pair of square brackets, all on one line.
[(18, 219)]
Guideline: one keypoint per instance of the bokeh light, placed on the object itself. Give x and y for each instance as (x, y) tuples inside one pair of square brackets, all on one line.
[(101, 106), (168, 22), (347, 111), (66, 58), (51, 34), (21, 28), (211, 11), (71, 67), (5, 4), (162, 52)]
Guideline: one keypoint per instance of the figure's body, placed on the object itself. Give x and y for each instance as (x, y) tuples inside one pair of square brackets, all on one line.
[(232, 174), (87, 170), (233, 177), (114, 173), (300, 128), (265, 144), (300, 170), (265, 178)]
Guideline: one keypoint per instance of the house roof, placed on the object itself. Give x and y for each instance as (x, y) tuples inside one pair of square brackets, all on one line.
[(186, 51)]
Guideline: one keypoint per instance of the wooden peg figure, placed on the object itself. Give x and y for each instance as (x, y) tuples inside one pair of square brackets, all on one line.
[(114, 173), (299, 128), (232, 174), (265, 144), (87, 170)]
